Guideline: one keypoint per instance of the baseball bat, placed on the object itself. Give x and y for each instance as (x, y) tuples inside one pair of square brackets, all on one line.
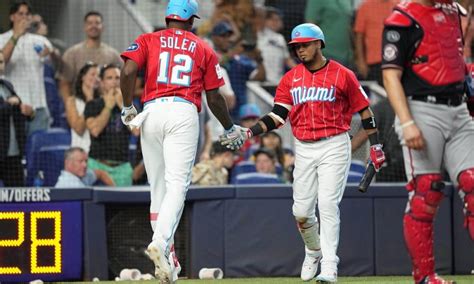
[(367, 178), (370, 170)]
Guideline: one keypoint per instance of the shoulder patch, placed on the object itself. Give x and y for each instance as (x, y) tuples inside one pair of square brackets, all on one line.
[(133, 47), (398, 19), (390, 52), (392, 36)]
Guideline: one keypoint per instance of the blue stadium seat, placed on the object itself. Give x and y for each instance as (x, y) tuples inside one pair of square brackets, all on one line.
[(45, 152), (356, 171), (53, 99), (257, 178), (242, 168), (1, 183)]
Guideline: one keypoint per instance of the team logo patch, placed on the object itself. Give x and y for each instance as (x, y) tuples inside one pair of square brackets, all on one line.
[(297, 34), (133, 47), (393, 36), (390, 52)]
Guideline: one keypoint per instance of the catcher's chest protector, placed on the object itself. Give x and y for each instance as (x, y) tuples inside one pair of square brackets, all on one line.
[(438, 58)]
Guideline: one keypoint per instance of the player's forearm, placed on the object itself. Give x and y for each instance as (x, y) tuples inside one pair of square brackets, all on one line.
[(128, 78), (370, 125), (218, 107), (396, 94)]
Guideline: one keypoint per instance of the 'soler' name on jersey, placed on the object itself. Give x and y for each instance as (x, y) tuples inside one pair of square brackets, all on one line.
[(303, 94), (173, 42)]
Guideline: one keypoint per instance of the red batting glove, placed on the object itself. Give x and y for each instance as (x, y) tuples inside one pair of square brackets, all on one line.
[(377, 156)]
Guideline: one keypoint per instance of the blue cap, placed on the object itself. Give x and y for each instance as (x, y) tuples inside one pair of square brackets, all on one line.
[(249, 111), (222, 28), (182, 10), (306, 33)]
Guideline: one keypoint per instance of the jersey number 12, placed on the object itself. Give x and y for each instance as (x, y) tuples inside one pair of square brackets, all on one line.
[(184, 65)]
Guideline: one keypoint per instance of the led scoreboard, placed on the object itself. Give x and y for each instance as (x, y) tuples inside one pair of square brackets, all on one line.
[(41, 240)]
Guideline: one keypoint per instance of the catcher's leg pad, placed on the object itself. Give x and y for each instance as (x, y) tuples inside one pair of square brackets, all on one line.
[(308, 228), (427, 196), (466, 191), (424, 200)]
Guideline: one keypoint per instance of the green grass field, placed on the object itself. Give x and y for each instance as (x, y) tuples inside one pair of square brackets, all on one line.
[(464, 279)]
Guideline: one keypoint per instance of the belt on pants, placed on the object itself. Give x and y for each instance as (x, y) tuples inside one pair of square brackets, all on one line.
[(167, 100), (455, 100)]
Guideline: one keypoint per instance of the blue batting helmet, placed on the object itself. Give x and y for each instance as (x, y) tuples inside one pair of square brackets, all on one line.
[(182, 10), (306, 33)]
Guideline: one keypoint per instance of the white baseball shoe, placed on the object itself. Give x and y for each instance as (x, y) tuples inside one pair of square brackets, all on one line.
[(160, 258), (175, 266), (310, 264), (327, 277)]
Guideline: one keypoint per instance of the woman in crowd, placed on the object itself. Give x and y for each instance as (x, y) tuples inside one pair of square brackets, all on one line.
[(86, 89)]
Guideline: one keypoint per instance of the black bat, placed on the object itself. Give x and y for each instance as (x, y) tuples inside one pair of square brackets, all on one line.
[(370, 170), (367, 177)]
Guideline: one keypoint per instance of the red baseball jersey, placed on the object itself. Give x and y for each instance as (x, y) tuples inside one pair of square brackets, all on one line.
[(323, 101), (177, 62)]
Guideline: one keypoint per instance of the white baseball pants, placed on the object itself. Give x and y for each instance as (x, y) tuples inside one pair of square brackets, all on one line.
[(169, 136), (320, 175)]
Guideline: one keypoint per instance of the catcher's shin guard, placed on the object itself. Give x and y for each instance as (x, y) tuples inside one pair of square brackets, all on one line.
[(425, 196), (466, 191), (309, 233)]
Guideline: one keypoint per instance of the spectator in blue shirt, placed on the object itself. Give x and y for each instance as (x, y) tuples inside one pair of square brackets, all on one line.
[(76, 174)]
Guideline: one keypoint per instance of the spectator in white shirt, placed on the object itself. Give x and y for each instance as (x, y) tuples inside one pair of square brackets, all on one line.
[(24, 56), (86, 89), (76, 174), (272, 44)]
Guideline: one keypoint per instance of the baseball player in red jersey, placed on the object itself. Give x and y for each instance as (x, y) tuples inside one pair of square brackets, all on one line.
[(178, 65), (319, 96), (424, 75)]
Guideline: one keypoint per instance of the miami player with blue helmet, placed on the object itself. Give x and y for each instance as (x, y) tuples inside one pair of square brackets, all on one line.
[(319, 97), (182, 10), (306, 33)]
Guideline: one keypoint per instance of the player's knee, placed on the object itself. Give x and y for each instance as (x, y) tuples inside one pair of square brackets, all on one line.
[(301, 220), (427, 196)]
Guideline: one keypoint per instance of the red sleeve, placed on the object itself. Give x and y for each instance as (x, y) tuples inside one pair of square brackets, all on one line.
[(358, 99), (213, 77), (137, 51), (282, 93)]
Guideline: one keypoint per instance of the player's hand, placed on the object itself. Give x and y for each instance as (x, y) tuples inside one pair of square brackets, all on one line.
[(234, 137), (377, 156), (413, 137), (128, 113)]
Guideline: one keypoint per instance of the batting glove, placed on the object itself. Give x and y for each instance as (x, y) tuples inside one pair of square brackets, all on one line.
[(377, 156), (234, 137), (128, 113)]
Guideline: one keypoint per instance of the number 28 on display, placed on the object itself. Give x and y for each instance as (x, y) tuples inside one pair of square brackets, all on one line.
[(43, 244)]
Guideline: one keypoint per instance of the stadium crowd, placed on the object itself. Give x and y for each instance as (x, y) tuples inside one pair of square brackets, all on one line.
[(42, 88)]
